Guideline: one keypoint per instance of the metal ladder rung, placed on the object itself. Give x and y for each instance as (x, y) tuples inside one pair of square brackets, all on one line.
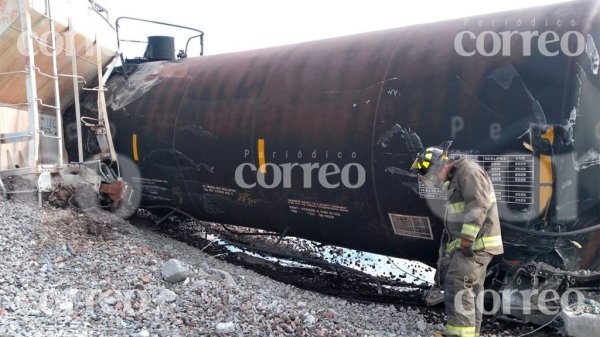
[(46, 105), (15, 28), (94, 89), (44, 74), (85, 120), (15, 137), (86, 60), (11, 73), (43, 43), (81, 78), (43, 134), (3, 105), (47, 17)]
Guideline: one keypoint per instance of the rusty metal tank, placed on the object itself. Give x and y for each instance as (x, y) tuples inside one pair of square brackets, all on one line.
[(316, 139)]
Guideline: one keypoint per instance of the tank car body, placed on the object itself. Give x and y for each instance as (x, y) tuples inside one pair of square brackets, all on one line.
[(316, 139)]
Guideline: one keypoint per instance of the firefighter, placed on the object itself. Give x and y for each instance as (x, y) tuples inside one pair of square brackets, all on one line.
[(471, 235)]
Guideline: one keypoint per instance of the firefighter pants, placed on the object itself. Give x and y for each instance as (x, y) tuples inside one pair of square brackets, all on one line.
[(462, 279)]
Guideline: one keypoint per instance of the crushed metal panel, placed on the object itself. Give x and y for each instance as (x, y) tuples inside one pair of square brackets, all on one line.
[(413, 226)]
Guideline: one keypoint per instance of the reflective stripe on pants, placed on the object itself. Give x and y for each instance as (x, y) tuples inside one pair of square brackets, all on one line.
[(462, 331), (479, 243), (463, 283)]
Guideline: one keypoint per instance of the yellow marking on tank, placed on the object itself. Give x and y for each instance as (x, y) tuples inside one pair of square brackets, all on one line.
[(135, 147), (546, 176), (261, 156)]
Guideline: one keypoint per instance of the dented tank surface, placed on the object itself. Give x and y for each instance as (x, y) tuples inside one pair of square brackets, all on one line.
[(316, 139)]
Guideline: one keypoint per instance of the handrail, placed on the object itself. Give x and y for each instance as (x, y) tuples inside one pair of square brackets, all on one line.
[(201, 36), (96, 7), (119, 40)]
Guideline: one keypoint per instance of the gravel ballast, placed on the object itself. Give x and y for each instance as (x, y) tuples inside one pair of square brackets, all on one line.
[(66, 273)]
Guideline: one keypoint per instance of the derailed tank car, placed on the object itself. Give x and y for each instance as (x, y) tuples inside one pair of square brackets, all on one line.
[(316, 139)]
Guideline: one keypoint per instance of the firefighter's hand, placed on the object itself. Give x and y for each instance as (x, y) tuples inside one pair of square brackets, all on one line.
[(466, 247)]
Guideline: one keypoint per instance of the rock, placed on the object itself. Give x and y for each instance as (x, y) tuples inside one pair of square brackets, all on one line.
[(286, 328), (245, 307), (167, 296), (200, 273), (146, 278), (402, 329), (71, 250), (143, 333), (592, 302), (66, 307), (421, 325), (225, 276), (198, 284), (310, 319), (226, 327), (583, 325), (301, 304), (35, 313), (111, 301), (174, 271), (328, 314)]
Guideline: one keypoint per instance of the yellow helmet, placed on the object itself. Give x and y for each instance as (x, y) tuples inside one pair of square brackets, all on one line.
[(431, 159)]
